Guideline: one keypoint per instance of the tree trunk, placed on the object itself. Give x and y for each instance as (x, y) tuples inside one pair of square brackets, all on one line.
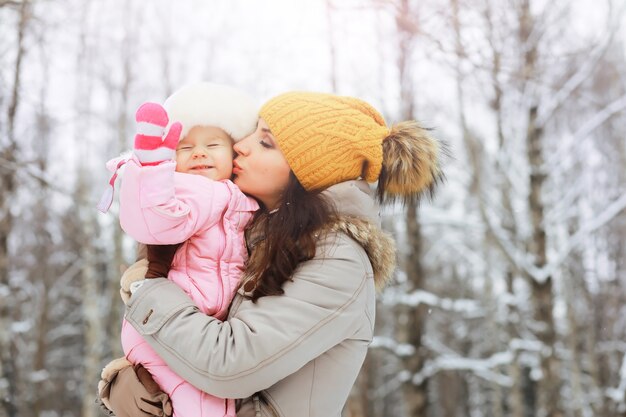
[(410, 320), (114, 319), (514, 400), (93, 321), (43, 273), (331, 46), (476, 190), (548, 388), (8, 368), (93, 326)]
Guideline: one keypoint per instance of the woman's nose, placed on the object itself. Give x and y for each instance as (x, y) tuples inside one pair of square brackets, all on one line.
[(241, 147)]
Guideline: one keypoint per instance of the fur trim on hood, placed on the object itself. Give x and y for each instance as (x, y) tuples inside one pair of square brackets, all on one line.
[(378, 244)]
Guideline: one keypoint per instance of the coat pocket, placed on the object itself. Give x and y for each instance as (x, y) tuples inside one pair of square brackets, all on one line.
[(147, 317)]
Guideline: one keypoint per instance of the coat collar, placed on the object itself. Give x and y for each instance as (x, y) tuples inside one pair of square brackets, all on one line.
[(359, 218), (379, 246)]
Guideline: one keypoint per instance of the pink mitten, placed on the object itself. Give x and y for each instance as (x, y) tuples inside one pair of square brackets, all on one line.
[(150, 146)]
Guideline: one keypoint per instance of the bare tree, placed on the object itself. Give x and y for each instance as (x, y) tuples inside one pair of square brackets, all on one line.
[(510, 294), (410, 325), (88, 233), (119, 85), (332, 49), (9, 150), (536, 375)]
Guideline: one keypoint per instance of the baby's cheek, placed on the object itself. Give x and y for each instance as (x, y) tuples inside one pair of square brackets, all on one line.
[(180, 163), (226, 172)]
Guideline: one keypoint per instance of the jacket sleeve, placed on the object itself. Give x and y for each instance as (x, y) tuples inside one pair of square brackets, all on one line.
[(161, 206), (261, 343)]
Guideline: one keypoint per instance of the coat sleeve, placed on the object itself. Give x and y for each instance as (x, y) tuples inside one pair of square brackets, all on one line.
[(161, 206), (261, 343)]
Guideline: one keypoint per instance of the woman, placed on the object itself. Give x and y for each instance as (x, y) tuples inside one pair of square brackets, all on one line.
[(298, 329)]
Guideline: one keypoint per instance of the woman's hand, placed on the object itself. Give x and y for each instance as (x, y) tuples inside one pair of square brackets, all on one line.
[(156, 265), (135, 273), (130, 391)]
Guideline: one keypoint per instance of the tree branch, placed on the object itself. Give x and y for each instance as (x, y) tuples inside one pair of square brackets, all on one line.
[(612, 211), (6, 164), (414, 299), (583, 73), (589, 126)]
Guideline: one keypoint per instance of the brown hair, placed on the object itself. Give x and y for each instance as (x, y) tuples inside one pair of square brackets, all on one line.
[(290, 237)]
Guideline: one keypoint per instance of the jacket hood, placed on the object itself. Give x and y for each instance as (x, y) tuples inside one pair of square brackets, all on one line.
[(359, 219), (354, 199)]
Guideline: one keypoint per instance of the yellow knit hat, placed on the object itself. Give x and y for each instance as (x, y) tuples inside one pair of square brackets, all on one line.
[(325, 138)]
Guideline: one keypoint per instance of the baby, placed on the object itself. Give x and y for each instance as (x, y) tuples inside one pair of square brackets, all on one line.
[(177, 191)]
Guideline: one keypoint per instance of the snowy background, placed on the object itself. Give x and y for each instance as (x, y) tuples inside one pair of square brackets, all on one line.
[(509, 299)]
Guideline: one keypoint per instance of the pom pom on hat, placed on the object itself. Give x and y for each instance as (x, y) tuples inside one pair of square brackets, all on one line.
[(210, 104), (411, 163)]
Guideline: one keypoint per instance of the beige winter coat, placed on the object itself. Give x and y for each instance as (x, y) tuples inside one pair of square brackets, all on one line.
[(292, 355)]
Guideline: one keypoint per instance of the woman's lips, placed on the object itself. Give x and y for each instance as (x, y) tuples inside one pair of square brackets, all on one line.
[(236, 168)]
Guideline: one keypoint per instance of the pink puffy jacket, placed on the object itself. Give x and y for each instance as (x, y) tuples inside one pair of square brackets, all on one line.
[(161, 206), (208, 216)]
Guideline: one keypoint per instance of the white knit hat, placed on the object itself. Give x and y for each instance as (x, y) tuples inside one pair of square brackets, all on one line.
[(209, 104)]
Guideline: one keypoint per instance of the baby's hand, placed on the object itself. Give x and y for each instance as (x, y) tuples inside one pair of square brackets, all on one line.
[(151, 148)]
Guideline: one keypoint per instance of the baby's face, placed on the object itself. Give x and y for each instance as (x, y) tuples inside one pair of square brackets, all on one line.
[(207, 151)]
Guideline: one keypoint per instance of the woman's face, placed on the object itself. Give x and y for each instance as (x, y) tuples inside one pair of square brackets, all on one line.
[(260, 168)]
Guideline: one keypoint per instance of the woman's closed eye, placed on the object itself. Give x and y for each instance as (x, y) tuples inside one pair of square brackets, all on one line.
[(266, 144)]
